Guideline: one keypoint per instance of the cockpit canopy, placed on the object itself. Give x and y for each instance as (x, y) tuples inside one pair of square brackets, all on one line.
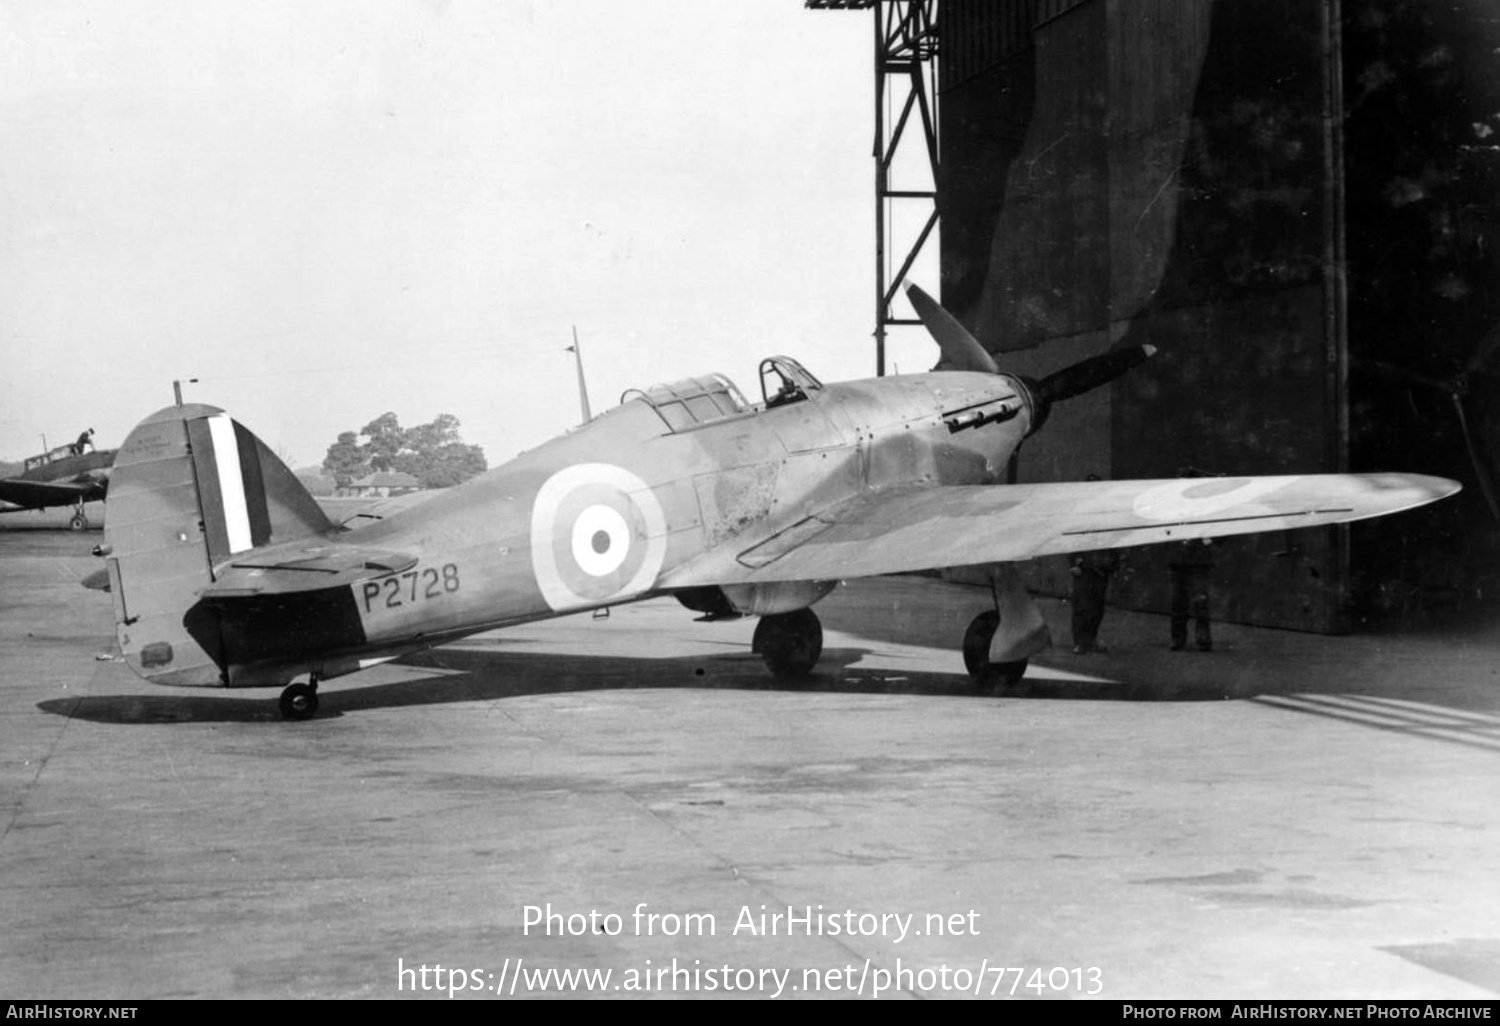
[(784, 380), (682, 404), (692, 401), (62, 452)]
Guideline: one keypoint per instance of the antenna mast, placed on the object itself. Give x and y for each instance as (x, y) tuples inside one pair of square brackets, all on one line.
[(583, 389)]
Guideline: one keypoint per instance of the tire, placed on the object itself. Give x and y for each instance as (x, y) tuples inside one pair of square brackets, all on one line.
[(790, 643), (977, 638), (299, 702)]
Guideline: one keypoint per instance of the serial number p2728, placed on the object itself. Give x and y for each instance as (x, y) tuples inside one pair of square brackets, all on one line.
[(409, 588)]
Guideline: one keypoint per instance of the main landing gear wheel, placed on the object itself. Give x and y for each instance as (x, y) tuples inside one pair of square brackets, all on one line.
[(300, 701), (790, 643), (998, 676), (79, 522)]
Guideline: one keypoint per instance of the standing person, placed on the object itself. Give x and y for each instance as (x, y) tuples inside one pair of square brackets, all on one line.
[(1091, 573), (1191, 564)]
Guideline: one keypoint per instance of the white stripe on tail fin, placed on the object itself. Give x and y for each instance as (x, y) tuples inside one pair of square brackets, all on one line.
[(231, 483)]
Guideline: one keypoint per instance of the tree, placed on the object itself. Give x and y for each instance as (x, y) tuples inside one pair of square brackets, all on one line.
[(446, 465), (427, 438), (346, 461), (435, 454), (386, 440), (432, 453)]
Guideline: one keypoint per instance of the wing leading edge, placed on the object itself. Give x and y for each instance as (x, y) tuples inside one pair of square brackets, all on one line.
[(928, 528)]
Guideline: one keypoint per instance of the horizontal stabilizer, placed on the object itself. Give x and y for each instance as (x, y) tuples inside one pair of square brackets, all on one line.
[(305, 568)]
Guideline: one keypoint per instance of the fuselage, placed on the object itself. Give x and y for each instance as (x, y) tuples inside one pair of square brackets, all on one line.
[(677, 489), (64, 464), (623, 506)]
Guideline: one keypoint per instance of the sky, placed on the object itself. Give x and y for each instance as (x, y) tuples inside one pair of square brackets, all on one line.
[(327, 211)]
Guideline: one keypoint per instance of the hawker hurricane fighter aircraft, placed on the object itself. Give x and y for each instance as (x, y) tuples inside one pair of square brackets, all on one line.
[(65, 476), (224, 571)]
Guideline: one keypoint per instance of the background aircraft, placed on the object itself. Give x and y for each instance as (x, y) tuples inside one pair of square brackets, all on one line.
[(223, 571), (65, 476)]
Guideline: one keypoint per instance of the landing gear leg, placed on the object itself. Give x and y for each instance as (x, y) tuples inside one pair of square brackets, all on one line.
[(790, 643), (79, 521), (1000, 642), (998, 676), (300, 701)]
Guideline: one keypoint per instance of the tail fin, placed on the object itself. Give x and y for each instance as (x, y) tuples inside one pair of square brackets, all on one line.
[(191, 489)]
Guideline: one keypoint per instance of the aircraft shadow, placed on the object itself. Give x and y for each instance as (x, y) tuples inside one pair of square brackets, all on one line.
[(1353, 680), (479, 675)]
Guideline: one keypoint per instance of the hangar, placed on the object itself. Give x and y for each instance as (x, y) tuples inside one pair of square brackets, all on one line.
[(1296, 202)]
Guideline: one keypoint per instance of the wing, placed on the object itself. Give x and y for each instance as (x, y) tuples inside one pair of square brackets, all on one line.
[(928, 528), (39, 494)]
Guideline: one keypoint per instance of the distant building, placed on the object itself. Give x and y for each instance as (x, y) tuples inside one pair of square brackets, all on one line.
[(381, 486)]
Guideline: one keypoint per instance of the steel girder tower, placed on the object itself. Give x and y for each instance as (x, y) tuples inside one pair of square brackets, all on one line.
[(906, 49)]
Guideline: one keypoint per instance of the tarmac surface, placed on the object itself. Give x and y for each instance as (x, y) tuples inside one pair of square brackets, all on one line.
[(1289, 816)]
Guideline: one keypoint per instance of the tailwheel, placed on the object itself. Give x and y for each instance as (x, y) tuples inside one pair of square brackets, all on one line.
[(986, 674), (790, 643), (300, 701)]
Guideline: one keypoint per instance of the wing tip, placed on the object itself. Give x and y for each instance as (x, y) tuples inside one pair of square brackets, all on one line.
[(1412, 491), (1434, 487)]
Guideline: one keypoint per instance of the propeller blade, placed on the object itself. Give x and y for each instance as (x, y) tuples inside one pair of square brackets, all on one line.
[(1483, 469), (959, 348), (1089, 374)]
